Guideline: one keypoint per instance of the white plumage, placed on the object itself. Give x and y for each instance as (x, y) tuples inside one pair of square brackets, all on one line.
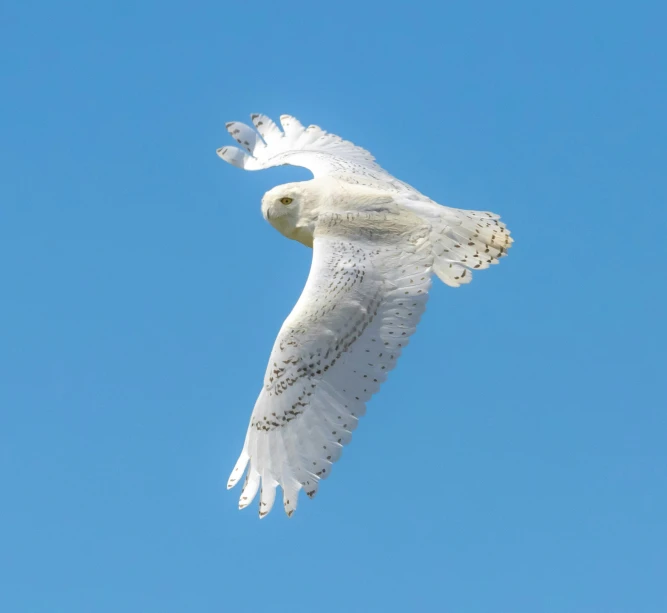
[(376, 242)]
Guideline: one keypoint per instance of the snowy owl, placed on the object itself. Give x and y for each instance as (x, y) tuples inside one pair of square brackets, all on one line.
[(376, 244)]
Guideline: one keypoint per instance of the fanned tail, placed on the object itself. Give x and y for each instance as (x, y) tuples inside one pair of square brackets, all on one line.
[(463, 241)]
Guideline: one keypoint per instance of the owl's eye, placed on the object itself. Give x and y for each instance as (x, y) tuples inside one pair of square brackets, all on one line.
[(286, 200)]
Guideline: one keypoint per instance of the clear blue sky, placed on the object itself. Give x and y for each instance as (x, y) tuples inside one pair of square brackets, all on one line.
[(515, 462)]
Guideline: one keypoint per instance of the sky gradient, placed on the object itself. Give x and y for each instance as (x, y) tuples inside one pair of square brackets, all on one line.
[(515, 461)]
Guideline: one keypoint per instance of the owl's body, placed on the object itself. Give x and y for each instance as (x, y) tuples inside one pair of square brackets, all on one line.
[(376, 243)]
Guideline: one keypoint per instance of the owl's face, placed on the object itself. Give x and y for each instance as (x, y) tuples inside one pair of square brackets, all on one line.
[(293, 208), (282, 204), (289, 209)]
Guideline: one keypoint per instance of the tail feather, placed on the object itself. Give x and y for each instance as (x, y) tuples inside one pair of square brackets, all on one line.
[(466, 241)]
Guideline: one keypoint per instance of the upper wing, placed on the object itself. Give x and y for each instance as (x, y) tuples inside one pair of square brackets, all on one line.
[(312, 148), (365, 293)]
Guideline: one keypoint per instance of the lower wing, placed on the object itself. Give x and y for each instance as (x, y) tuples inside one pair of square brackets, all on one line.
[(365, 294)]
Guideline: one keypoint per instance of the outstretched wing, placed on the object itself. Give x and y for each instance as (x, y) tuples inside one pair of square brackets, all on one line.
[(463, 241), (322, 153), (365, 294)]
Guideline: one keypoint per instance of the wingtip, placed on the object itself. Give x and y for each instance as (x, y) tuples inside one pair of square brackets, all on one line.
[(239, 469), (291, 124), (233, 156), (290, 500), (264, 507), (236, 475), (243, 503)]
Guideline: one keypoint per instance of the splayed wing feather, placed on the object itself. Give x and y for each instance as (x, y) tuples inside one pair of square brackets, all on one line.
[(313, 148)]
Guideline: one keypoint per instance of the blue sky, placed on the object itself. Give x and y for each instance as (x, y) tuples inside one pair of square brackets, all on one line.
[(516, 460)]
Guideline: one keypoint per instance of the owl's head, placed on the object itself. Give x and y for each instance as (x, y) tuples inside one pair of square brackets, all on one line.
[(284, 202), (292, 209)]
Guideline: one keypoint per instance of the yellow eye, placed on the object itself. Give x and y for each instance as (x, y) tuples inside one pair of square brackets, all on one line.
[(286, 200)]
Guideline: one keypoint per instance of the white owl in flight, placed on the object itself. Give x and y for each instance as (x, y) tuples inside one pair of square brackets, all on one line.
[(376, 244)]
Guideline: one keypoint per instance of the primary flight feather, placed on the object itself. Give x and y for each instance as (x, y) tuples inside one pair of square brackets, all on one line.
[(376, 243)]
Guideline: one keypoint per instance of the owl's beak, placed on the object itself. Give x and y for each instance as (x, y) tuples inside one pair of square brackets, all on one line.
[(268, 215)]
